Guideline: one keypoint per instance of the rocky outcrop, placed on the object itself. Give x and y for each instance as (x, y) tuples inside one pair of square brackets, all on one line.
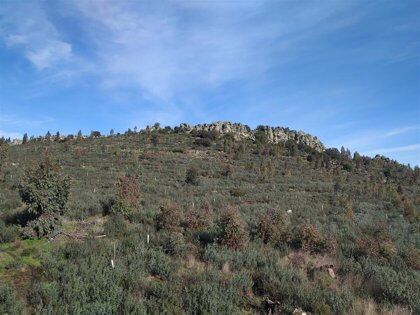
[(241, 131)]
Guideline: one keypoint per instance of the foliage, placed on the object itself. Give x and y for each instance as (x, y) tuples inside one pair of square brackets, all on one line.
[(169, 217), (128, 195), (7, 233), (191, 176), (45, 190), (272, 227), (310, 239), (9, 304), (305, 211), (232, 232), (199, 218)]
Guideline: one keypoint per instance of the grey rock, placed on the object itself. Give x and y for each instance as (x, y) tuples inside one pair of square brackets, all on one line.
[(241, 131)]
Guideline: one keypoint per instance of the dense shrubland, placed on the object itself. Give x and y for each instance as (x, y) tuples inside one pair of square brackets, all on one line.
[(202, 223)]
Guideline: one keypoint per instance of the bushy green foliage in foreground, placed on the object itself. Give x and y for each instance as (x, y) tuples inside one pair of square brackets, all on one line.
[(46, 192), (204, 224)]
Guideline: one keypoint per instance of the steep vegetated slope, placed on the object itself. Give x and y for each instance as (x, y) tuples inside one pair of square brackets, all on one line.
[(207, 219)]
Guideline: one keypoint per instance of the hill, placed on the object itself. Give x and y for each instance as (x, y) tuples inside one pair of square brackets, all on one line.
[(214, 218)]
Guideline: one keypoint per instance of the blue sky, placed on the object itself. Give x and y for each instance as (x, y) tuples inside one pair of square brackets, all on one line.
[(345, 71)]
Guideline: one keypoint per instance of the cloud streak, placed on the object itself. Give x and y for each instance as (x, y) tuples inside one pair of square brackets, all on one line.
[(170, 52), (34, 34), (406, 148), (403, 130)]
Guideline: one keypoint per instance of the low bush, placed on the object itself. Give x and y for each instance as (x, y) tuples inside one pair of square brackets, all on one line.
[(199, 218), (8, 233), (232, 229), (205, 142), (169, 217), (272, 227), (310, 239), (191, 176), (115, 226), (9, 303)]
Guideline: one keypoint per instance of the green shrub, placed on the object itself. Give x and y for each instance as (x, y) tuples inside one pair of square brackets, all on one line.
[(388, 285), (9, 304), (173, 244), (45, 225), (209, 294), (8, 233), (237, 192), (205, 142), (115, 226), (191, 176), (160, 265), (43, 295), (45, 190)]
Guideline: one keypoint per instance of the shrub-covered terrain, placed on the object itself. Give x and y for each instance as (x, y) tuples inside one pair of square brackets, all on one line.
[(202, 223)]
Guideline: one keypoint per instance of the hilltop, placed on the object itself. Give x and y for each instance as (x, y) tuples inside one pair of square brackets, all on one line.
[(214, 218)]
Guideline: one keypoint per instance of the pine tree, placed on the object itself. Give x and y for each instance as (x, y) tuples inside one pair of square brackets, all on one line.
[(25, 138)]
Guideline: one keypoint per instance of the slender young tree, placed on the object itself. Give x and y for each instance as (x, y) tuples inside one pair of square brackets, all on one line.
[(25, 138)]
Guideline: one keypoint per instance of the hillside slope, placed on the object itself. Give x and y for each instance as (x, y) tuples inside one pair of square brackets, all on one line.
[(199, 220)]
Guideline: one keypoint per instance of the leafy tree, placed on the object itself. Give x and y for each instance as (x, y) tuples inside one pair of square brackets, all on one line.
[(48, 136), (46, 191), (261, 137), (111, 133), (95, 134), (333, 153), (79, 134)]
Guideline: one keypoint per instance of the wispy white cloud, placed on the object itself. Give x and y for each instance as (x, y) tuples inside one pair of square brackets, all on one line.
[(402, 130), (25, 26), (368, 138), (406, 148), (13, 120), (168, 52)]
